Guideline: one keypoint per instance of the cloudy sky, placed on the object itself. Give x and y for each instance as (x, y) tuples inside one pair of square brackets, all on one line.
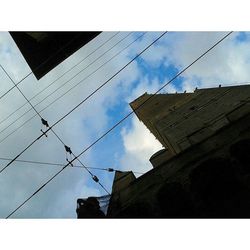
[(130, 145)]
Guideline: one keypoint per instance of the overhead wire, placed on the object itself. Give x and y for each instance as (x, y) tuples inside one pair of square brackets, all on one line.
[(134, 58), (68, 80), (62, 164), (50, 128), (108, 80), (118, 123), (151, 96), (61, 85), (93, 72), (54, 81), (27, 147), (47, 182), (38, 67), (93, 176)]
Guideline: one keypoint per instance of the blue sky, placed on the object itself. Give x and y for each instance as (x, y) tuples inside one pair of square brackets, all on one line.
[(130, 145)]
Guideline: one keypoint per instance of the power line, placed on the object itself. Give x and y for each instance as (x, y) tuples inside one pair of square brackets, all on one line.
[(91, 53), (38, 67), (61, 77), (27, 147), (102, 85), (19, 90), (47, 182), (93, 176), (150, 97), (50, 127), (62, 164), (71, 87), (202, 55), (62, 85), (70, 162)]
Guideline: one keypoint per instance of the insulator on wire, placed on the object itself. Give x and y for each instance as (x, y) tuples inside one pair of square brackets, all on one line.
[(95, 178), (70, 162), (43, 132), (44, 122), (68, 149), (110, 170)]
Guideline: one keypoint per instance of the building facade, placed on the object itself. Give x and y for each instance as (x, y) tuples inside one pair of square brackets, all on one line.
[(204, 170)]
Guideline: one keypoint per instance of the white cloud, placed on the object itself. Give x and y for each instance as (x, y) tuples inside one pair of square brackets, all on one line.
[(138, 142), (139, 145), (228, 63), (21, 180)]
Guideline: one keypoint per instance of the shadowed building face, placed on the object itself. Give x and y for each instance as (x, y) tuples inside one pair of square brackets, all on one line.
[(89, 208), (215, 182), (43, 51)]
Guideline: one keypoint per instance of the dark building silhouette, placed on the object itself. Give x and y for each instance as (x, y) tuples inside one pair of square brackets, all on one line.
[(218, 187), (174, 201), (89, 208), (43, 51), (204, 170)]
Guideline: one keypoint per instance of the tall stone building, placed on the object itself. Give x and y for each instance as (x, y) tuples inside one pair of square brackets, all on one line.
[(179, 121), (204, 170)]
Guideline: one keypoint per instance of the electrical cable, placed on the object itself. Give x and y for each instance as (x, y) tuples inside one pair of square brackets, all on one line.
[(93, 176), (64, 82), (38, 67), (62, 164), (3, 139), (91, 53), (71, 112), (178, 74), (150, 97), (102, 85), (50, 128), (27, 147), (36, 192)]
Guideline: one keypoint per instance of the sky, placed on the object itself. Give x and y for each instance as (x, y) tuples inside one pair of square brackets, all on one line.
[(129, 146)]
